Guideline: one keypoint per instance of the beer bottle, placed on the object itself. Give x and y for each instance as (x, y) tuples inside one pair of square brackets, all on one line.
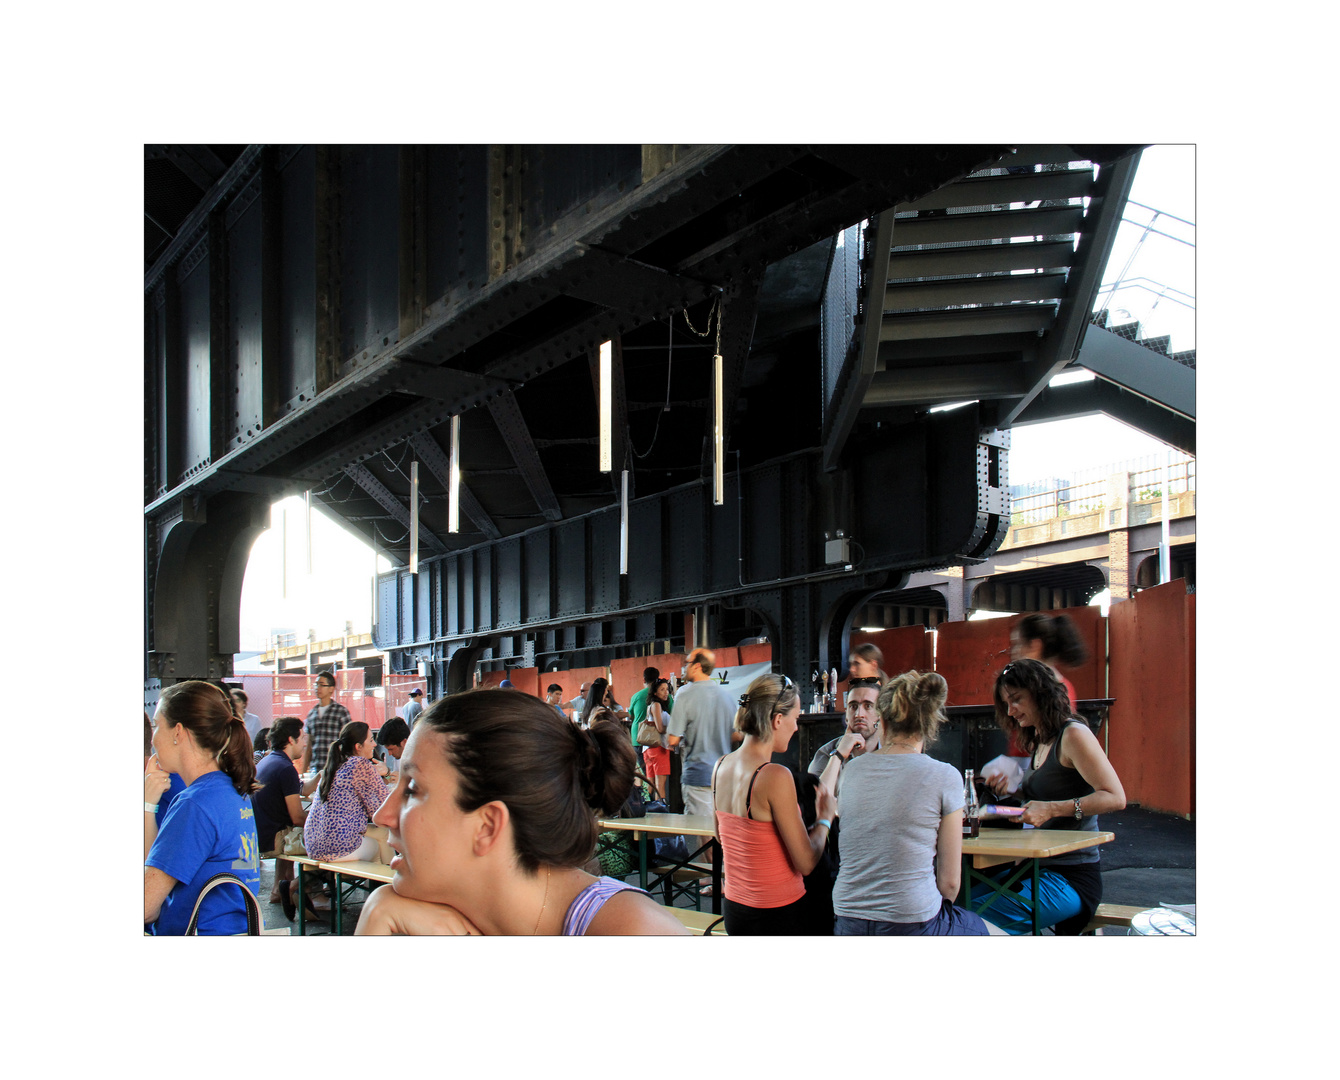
[(971, 817)]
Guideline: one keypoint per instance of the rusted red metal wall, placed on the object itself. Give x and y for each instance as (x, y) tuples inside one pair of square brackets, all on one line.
[(970, 655), (1153, 679), (525, 679), (905, 648)]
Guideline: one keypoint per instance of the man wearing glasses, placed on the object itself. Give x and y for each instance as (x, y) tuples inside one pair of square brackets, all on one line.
[(861, 736), (699, 729), (323, 723)]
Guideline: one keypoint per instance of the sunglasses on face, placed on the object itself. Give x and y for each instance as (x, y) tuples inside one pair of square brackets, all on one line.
[(862, 680)]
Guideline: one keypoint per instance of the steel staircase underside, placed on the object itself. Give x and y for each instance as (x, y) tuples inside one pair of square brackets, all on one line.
[(984, 290)]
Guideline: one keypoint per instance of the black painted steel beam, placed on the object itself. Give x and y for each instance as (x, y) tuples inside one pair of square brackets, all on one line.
[(859, 367), (506, 414), (362, 476), (1140, 370), (426, 450)]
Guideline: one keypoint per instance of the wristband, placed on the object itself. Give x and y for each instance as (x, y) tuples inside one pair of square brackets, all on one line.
[(151, 808), (1079, 814), (838, 754), (825, 823)]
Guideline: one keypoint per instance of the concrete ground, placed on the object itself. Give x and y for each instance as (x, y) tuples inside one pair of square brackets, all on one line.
[(1151, 861)]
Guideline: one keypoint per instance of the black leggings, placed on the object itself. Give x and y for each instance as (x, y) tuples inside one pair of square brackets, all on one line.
[(745, 921)]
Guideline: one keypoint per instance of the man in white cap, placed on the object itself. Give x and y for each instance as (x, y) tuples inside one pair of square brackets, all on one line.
[(410, 712)]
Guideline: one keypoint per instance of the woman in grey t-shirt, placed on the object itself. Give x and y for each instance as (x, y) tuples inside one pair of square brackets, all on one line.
[(902, 818)]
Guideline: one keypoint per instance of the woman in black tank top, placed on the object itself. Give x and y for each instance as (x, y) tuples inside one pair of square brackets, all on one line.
[(1070, 784)]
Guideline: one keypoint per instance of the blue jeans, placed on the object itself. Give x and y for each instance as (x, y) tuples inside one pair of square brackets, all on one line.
[(1057, 901)]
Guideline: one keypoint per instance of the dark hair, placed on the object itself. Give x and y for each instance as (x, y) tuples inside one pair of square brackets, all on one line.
[(1050, 697), (766, 696), (704, 658), (552, 775), (650, 674), (651, 690), (1059, 636), (326, 675), (262, 740), (148, 734), (238, 693), (912, 705), (869, 652), (284, 730), (393, 732), (207, 713), (595, 699), (352, 734), (552, 687)]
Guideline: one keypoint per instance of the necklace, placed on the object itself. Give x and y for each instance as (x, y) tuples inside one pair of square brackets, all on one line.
[(543, 904)]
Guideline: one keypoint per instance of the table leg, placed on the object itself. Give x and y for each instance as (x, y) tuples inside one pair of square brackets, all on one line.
[(642, 859), (716, 876), (339, 907), (302, 906), (1036, 928)]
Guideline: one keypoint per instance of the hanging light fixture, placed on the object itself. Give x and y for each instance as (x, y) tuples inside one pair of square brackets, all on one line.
[(606, 398), (718, 450), (623, 526), (413, 517), (454, 486)]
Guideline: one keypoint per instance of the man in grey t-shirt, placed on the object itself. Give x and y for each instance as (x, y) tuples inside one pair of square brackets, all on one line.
[(700, 729)]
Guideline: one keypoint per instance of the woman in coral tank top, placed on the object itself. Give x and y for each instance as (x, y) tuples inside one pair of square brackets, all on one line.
[(766, 847)]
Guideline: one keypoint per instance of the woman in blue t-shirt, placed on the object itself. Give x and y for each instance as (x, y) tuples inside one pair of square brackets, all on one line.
[(209, 827)]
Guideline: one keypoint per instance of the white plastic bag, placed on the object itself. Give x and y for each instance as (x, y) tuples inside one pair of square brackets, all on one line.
[(1012, 768)]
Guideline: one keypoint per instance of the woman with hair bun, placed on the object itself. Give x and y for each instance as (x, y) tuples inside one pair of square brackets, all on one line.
[(493, 818), (350, 792), (764, 841), (209, 828), (902, 818)]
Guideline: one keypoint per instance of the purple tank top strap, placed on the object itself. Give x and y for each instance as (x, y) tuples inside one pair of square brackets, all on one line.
[(588, 902)]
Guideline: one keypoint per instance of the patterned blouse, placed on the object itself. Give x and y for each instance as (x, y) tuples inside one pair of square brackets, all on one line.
[(336, 824)]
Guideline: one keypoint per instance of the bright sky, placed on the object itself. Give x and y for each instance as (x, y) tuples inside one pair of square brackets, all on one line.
[(340, 585)]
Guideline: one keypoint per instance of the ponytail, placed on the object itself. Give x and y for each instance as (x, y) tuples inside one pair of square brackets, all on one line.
[(236, 758), (351, 735)]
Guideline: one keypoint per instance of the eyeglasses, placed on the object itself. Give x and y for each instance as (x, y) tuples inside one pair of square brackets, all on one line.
[(862, 680)]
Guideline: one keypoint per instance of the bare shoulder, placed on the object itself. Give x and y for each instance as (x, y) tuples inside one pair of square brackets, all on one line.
[(632, 913)]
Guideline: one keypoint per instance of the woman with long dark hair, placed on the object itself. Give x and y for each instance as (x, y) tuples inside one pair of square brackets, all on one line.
[(765, 844), (350, 792), (902, 824), (656, 759), (209, 828), (1070, 783), (493, 819)]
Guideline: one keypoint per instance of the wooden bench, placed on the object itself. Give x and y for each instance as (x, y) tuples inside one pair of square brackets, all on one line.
[(1114, 915), (702, 923), (682, 882)]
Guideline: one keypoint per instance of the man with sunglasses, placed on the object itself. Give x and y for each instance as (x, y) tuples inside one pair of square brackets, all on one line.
[(861, 736)]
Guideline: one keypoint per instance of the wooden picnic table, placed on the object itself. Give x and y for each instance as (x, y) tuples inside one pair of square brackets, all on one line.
[(996, 847), (643, 828), (365, 871)]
